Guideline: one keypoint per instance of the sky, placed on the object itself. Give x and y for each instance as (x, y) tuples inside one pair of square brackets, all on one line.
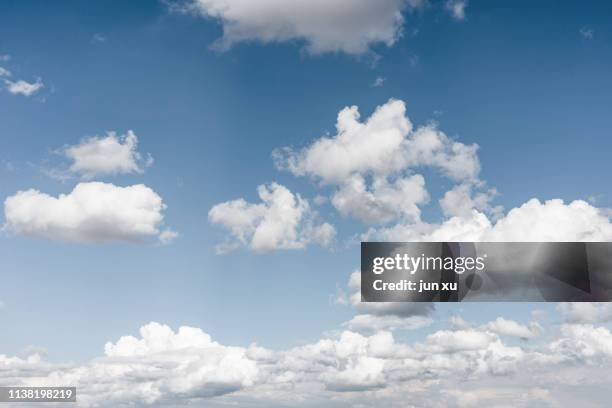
[(214, 164)]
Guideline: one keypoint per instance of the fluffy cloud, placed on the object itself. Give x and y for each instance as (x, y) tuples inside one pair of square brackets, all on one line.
[(91, 212), (372, 164), (282, 220), (4, 72), (24, 88), (382, 145), (350, 26), (583, 342), (385, 202), (110, 154), (160, 365), (461, 200)]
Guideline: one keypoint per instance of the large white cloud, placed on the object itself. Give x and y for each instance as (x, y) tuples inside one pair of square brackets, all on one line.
[(110, 154), (383, 144), (372, 165), (350, 26), (282, 220), (91, 212)]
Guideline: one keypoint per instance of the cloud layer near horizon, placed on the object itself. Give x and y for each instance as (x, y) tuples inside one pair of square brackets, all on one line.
[(162, 366)]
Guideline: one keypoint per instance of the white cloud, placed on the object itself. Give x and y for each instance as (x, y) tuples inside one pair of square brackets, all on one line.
[(378, 82), (459, 340), (282, 220), (461, 201), (456, 8), (583, 342), (372, 164), (552, 220), (382, 145), (509, 327), (4, 72), (24, 88), (385, 202), (350, 26), (162, 367), (92, 212), (159, 365), (585, 312), (110, 154), (167, 236)]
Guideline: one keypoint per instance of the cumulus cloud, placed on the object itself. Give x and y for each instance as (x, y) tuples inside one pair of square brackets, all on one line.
[(509, 327), (383, 144), (282, 220), (372, 163), (461, 200), (159, 365), (583, 342), (24, 88), (91, 212), (350, 26), (537, 221), (4, 72), (585, 312), (103, 155), (372, 167)]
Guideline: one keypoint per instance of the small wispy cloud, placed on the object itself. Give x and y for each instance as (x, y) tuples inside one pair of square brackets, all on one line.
[(98, 38), (378, 82), (587, 33), (456, 8)]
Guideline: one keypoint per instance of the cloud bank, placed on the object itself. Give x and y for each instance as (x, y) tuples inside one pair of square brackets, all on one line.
[(451, 367)]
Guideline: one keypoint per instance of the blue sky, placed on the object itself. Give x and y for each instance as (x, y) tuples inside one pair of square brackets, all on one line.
[(529, 83)]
